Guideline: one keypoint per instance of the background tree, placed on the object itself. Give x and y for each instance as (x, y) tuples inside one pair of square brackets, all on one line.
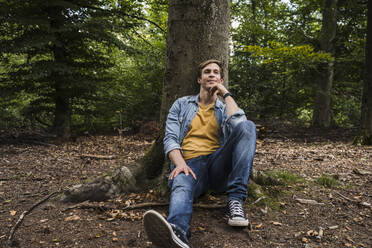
[(63, 52), (366, 117), (284, 90), (322, 101)]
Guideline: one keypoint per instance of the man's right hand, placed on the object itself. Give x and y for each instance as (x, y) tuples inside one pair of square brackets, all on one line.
[(176, 157), (181, 168)]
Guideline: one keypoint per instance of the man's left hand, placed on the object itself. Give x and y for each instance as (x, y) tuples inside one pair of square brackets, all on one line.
[(218, 89)]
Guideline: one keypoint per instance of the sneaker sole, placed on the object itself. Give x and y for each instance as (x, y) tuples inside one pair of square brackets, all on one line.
[(159, 231), (238, 222)]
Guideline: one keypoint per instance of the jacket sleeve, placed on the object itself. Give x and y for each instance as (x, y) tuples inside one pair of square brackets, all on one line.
[(232, 121), (172, 129)]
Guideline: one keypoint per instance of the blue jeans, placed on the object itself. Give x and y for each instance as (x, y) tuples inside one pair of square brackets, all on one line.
[(225, 170)]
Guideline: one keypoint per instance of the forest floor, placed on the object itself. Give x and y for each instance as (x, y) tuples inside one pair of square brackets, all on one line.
[(325, 202)]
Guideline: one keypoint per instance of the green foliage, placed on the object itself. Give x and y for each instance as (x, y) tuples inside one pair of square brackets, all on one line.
[(327, 181), (274, 68), (285, 86), (100, 57)]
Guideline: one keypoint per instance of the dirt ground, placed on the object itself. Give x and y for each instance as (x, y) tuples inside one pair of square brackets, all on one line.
[(339, 216)]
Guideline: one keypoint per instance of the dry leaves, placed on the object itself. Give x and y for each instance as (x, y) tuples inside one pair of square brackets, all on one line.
[(72, 218)]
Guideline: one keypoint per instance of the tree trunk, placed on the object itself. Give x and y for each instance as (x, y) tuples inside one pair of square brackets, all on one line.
[(62, 111), (366, 113), (322, 102), (197, 30)]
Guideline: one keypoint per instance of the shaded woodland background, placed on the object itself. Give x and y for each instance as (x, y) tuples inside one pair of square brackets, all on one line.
[(77, 70), (72, 67)]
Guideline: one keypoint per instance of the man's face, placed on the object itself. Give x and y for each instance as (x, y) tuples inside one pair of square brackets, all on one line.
[(210, 76)]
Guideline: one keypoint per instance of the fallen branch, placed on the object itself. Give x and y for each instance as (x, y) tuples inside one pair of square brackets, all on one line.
[(90, 205), (41, 143), (97, 156), (346, 198), (258, 200), (102, 207), (309, 201), (22, 216)]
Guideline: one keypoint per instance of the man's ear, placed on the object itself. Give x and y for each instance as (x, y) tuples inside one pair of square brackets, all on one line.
[(222, 80), (199, 79)]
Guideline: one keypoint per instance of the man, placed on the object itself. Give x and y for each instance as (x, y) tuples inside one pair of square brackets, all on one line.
[(211, 145)]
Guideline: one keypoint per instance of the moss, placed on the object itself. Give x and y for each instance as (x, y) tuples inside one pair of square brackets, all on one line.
[(278, 178), (255, 191), (153, 160), (327, 181)]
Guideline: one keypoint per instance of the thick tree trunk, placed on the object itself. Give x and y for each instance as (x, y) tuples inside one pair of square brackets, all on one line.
[(322, 102), (197, 30), (366, 113)]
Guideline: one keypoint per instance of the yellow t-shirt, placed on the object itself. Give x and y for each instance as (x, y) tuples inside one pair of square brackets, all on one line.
[(202, 138)]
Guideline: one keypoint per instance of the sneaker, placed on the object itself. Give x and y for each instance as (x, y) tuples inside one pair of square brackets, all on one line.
[(161, 233), (236, 214)]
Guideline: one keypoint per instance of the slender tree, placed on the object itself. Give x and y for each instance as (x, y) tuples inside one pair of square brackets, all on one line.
[(322, 102), (366, 113)]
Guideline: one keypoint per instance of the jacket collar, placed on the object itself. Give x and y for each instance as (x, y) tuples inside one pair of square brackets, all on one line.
[(195, 99)]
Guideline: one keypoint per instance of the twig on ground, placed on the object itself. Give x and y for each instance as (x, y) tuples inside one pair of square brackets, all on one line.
[(42, 143), (346, 198), (89, 205), (258, 200), (97, 156), (102, 207), (22, 216)]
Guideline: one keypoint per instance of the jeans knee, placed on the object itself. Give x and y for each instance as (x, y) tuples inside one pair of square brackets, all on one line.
[(182, 182), (246, 127)]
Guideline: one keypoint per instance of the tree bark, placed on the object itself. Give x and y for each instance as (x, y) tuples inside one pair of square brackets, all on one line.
[(366, 111), (322, 103), (197, 30)]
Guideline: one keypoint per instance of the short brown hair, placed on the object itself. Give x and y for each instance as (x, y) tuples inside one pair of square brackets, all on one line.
[(207, 62)]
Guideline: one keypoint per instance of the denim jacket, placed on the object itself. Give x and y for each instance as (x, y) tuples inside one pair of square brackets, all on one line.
[(183, 112)]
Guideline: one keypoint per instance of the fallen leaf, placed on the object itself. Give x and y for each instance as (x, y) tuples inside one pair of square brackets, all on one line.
[(259, 226), (304, 240), (275, 223), (332, 227), (201, 228), (115, 239), (72, 218), (13, 212), (43, 220), (311, 233), (114, 233)]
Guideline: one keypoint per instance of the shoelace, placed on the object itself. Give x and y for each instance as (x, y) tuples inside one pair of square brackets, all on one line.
[(236, 209)]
